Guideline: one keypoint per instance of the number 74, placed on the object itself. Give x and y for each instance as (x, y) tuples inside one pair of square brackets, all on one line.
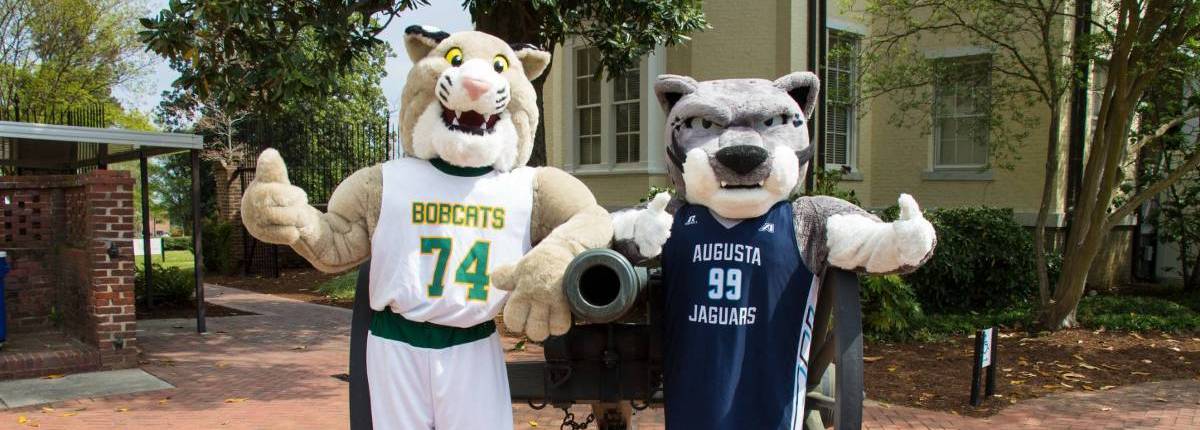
[(472, 271)]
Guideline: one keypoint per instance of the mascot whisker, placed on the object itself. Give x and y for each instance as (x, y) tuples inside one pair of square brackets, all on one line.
[(455, 230)]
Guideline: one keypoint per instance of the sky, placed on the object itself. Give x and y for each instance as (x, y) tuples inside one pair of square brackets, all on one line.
[(445, 14)]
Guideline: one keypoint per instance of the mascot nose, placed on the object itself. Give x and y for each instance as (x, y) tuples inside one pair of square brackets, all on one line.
[(475, 87), (742, 158)]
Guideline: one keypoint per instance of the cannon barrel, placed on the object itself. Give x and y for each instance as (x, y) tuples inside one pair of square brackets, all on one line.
[(602, 285)]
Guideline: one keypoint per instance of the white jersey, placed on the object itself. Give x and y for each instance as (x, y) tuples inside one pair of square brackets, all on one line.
[(442, 230)]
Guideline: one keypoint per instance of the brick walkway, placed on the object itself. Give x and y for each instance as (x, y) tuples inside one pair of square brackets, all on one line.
[(274, 370)]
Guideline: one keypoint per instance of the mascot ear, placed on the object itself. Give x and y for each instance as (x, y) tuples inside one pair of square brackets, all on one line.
[(420, 39), (803, 87), (533, 60), (671, 88)]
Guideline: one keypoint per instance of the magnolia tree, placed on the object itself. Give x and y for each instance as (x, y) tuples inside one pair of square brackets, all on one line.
[(1033, 60)]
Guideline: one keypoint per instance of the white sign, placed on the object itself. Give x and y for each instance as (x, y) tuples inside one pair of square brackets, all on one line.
[(155, 246), (986, 360)]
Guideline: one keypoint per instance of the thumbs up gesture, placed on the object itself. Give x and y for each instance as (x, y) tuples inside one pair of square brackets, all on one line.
[(274, 210)]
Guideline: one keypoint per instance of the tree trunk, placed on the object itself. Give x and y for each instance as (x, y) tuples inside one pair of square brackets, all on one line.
[(1192, 278), (1048, 188)]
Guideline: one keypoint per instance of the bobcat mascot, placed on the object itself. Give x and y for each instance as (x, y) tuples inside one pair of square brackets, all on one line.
[(742, 260), (455, 230)]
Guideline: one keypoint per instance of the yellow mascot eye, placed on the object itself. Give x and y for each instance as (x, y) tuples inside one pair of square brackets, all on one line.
[(500, 63), (454, 56)]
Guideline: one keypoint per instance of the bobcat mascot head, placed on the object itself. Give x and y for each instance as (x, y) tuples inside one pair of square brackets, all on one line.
[(468, 99), (737, 146)]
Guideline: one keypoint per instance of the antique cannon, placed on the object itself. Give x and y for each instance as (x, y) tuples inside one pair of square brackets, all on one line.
[(611, 358)]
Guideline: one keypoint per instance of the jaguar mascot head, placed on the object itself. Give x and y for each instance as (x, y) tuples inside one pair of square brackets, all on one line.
[(468, 99), (737, 146)]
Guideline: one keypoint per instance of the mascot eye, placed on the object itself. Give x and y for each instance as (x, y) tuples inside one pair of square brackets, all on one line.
[(455, 57), (500, 63)]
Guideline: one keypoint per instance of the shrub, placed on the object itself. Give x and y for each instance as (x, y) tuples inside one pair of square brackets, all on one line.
[(177, 243), (889, 306), (1136, 313), (218, 246), (172, 285), (983, 261)]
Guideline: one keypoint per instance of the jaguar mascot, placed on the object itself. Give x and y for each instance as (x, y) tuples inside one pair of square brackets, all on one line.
[(742, 255), (455, 230)]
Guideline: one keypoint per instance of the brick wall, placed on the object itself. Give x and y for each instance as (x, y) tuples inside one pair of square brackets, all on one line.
[(57, 230)]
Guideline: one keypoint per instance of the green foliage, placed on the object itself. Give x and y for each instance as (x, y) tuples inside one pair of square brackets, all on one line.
[(984, 260), (218, 247), (939, 326), (171, 188), (341, 287), (288, 50), (826, 184), (172, 285), (889, 306), (177, 243), (1137, 313)]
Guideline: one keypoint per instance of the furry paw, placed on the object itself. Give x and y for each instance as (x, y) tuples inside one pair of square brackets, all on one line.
[(648, 228), (274, 210), (536, 305), (915, 236)]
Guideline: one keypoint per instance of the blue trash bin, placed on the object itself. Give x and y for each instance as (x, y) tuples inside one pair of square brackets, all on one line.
[(3, 314)]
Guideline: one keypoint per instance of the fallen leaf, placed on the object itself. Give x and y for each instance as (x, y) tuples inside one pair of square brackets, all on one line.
[(69, 414), (54, 376), (1139, 373), (122, 409), (891, 368), (1134, 334), (1067, 385), (222, 364), (235, 400), (1106, 409), (1016, 382), (1160, 399), (46, 410), (872, 359), (1070, 375), (22, 419), (533, 424), (1088, 388), (1088, 366), (1107, 387), (164, 401), (1146, 361), (298, 348)]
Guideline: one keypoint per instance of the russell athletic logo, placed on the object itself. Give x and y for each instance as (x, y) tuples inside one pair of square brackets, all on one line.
[(691, 220), (767, 227)]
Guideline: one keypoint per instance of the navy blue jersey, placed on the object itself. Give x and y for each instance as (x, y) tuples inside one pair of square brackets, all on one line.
[(738, 319)]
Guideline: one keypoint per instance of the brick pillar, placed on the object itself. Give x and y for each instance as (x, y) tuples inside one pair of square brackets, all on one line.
[(229, 206), (110, 296)]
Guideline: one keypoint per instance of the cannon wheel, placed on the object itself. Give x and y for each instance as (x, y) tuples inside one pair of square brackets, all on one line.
[(835, 386)]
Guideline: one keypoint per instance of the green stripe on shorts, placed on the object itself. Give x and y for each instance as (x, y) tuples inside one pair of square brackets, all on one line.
[(390, 325)]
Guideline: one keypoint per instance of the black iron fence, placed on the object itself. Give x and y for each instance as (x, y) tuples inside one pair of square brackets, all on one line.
[(16, 110), (318, 157)]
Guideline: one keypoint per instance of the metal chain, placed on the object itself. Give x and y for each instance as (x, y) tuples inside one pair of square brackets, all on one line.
[(569, 422)]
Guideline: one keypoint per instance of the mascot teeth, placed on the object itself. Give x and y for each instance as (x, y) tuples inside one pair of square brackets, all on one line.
[(470, 122)]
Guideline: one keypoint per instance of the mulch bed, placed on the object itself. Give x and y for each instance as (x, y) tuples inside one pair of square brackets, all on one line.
[(299, 284), (186, 311), (938, 375)]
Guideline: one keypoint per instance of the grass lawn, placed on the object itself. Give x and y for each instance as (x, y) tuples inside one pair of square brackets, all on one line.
[(341, 287), (181, 259)]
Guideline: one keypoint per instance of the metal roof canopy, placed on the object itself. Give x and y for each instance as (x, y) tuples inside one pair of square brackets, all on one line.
[(68, 148), (25, 145)]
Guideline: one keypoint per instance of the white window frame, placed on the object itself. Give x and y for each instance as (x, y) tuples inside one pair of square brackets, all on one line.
[(962, 54), (651, 155), (852, 132)]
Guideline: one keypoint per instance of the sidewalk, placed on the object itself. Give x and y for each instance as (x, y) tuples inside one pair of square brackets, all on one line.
[(275, 370)]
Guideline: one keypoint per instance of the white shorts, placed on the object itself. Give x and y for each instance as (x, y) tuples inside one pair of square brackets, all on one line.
[(459, 387)]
